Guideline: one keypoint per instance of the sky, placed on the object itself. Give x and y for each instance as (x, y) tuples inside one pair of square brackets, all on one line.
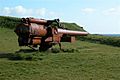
[(95, 16)]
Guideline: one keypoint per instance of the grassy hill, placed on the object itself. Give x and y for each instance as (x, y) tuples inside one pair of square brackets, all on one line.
[(11, 22), (79, 61), (8, 22), (72, 26)]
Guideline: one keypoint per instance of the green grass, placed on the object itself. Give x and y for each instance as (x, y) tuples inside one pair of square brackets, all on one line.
[(8, 40), (89, 61)]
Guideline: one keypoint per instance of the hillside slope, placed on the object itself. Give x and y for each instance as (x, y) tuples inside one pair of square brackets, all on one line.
[(11, 22), (72, 26), (8, 22)]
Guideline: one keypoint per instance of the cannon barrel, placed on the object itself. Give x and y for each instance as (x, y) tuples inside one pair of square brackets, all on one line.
[(33, 20), (39, 21), (71, 32)]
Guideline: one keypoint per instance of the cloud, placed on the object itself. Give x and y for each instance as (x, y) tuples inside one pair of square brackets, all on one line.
[(54, 14), (6, 10), (22, 11), (112, 11), (88, 10), (41, 11)]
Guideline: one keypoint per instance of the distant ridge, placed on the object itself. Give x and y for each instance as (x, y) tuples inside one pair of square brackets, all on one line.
[(112, 35)]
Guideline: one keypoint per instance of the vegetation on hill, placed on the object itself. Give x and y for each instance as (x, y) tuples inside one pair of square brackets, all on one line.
[(11, 22), (72, 26), (8, 22), (113, 41)]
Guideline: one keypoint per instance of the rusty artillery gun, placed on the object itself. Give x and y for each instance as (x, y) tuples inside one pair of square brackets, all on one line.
[(44, 34)]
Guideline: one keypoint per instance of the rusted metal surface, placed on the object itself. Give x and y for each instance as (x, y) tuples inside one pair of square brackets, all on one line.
[(32, 32), (70, 32), (38, 21), (28, 21), (38, 30), (36, 40)]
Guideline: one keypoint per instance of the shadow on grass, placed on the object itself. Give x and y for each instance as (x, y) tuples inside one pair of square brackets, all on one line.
[(29, 54), (5, 55), (17, 55), (26, 51)]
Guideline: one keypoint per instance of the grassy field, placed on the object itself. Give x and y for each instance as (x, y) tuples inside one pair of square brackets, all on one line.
[(8, 40), (87, 61)]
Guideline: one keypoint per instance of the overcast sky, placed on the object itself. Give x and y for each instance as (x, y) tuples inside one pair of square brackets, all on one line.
[(96, 16)]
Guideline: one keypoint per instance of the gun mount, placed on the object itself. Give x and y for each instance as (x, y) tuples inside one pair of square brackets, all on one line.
[(44, 34)]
